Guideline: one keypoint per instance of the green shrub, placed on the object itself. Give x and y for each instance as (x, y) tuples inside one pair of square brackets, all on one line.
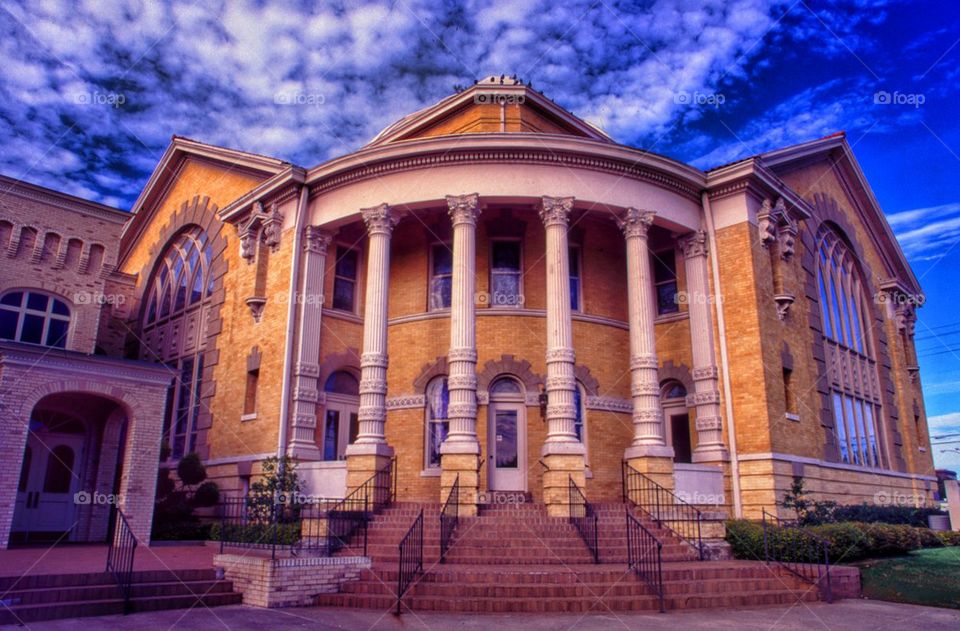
[(848, 541), (207, 494), (257, 533), (949, 537), (745, 538)]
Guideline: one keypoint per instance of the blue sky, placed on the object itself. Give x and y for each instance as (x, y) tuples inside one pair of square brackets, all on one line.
[(90, 93)]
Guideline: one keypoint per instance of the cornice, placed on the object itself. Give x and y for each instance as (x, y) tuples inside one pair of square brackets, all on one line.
[(91, 366), (33, 192)]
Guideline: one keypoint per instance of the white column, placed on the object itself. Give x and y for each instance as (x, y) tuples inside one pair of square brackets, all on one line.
[(380, 221), (648, 434), (462, 357), (561, 383), (706, 395), (307, 368)]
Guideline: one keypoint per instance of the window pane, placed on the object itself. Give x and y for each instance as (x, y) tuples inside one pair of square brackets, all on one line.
[(667, 298), (506, 290), (59, 470), (346, 263), (505, 386), (343, 294), (8, 324), (506, 255), (436, 434), (506, 437), (442, 259), (841, 428), (825, 309), (342, 382), (578, 422), (60, 307), (438, 398), (57, 333), (664, 266), (14, 298), (37, 302), (855, 433), (575, 293), (872, 428), (331, 430), (440, 292), (32, 329), (574, 262), (354, 427)]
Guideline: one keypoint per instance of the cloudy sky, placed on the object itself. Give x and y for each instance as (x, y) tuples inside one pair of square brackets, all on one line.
[(90, 93)]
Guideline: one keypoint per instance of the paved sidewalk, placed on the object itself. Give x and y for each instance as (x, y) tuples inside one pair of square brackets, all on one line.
[(845, 615)]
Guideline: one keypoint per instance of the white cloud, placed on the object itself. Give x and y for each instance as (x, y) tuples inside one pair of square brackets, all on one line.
[(927, 233)]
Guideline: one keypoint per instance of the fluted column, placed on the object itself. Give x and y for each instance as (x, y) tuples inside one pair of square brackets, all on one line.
[(462, 358), (563, 454), (459, 454), (561, 384), (706, 395), (380, 221), (648, 434), (307, 369)]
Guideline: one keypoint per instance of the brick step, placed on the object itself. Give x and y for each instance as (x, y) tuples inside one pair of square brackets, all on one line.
[(102, 578), (628, 585), (565, 605), (79, 593), (21, 614)]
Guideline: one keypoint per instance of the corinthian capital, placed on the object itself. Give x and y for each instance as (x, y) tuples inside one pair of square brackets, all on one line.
[(316, 240), (635, 223), (694, 244), (463, 208), (555, 210), (379, 219)]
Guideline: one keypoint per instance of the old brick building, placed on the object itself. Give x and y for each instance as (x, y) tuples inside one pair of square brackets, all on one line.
[(491, 288)]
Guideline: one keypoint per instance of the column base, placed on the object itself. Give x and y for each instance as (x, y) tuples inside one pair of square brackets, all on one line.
[(556, 479), (364, 460), (304, 451), (656, 467), (467, 466), (710, 454)]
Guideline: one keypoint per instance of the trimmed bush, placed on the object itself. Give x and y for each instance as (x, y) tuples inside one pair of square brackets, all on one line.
[(257, 533), (949, 537)]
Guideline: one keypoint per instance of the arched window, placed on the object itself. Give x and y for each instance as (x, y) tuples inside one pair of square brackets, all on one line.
[(850, 352), (437, 424), (341, 424), (176, 301), (33, 317)]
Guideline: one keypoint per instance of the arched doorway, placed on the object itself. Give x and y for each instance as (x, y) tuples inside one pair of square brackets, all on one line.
[(507, 440), (676, 418), (68, 471), (340, 424)]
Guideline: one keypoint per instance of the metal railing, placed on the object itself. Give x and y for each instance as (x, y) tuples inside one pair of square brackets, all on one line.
[(449, 518), (584, 517), (120, 558), (644, 556), (322, 527), (663, 506), (411, 557), (798, 551)]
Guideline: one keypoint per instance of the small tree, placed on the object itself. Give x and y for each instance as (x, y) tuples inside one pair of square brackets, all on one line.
[(277, 485), (796, 498), (175, 503)]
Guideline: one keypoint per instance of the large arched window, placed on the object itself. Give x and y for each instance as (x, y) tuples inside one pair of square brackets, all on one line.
[(176, 302), (437, 423), (34, 317), (850, 352)]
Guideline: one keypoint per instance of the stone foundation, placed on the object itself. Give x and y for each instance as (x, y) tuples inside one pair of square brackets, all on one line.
[(556, 481), (467, 467), (288, 582)]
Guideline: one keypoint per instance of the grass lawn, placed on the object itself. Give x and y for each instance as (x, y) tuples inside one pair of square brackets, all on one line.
[(924, 577)]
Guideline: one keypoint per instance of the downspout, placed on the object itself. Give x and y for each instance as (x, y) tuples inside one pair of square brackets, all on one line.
[(292, 303), (724, 360)]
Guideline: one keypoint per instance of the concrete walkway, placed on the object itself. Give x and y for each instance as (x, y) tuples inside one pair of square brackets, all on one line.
[(845, 615)]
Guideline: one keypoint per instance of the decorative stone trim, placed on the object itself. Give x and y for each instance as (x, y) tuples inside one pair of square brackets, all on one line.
[(406, 402), (509, 365), (635, 223), (609, 404)]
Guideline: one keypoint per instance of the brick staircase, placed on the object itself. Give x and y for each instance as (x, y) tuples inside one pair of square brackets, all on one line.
[(515, 558), (54, 596)]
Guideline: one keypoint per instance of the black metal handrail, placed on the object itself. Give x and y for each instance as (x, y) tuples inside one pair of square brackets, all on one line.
[(120, 557), (584, 517), (449, 518), (411, 557), (352, 513), (663, 506), (645, 556), (798, 551)]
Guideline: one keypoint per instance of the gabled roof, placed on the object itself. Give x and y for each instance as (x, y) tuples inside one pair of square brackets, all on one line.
[(493, 104), (835, 149), (179, 150)]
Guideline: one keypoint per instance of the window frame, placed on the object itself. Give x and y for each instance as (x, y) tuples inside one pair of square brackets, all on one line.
[(432, 274), (675, 281), (337, 277), (576, 254), (48, 315), (518, 301)]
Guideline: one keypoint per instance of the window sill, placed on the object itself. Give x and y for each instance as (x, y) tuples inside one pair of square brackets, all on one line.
[(349, 316), (671, 317), (248, 417), (431, 473), (792, 417)]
